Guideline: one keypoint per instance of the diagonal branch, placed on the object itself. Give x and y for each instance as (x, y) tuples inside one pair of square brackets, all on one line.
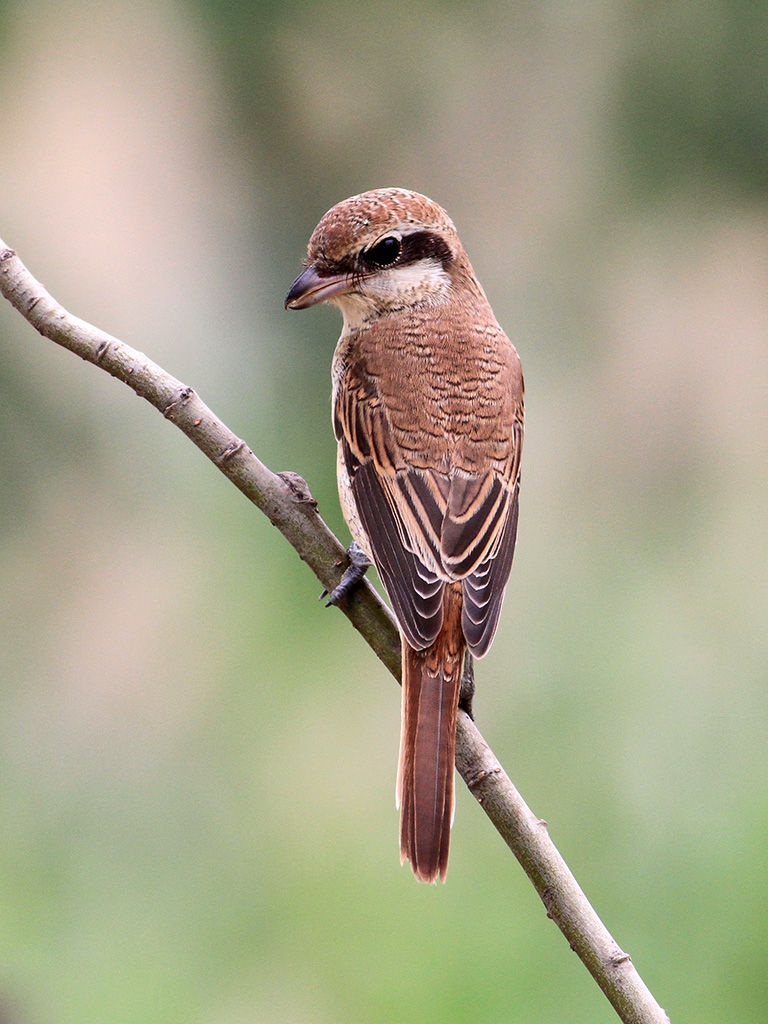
[(285, 499)]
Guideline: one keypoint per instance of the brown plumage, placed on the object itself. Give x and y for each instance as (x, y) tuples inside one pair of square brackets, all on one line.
[(428, 414)]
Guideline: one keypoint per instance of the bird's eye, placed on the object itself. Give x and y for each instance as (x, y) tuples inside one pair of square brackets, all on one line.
[(384, 253)]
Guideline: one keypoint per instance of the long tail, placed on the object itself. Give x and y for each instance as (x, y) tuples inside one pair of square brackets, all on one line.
[(431, 684)]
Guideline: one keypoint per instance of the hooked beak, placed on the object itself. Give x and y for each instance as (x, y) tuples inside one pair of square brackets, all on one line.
[(312, 287)]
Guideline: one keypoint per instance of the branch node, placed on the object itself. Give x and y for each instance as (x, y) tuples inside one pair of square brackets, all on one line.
[(620, 958), (101, 350), (182, 398), (230, 451), (481, 776), (298, 488), (6, 254)]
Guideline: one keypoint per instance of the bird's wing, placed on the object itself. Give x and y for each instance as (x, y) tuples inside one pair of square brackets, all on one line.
[(484, 587), (427, 527), (478, 537), (399, 511)]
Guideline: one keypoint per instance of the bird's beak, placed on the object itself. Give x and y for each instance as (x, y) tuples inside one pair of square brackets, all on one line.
[(312, 287)]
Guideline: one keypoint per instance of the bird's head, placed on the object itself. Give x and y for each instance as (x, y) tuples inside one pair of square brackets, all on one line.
[(379, 252)]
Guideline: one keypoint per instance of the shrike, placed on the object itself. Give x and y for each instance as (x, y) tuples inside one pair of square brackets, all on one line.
[(428, 415)]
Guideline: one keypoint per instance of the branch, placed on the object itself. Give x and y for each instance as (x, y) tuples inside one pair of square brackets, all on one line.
[(285, 499)]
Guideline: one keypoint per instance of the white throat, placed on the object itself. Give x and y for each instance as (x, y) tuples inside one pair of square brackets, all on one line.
[(394, 288)]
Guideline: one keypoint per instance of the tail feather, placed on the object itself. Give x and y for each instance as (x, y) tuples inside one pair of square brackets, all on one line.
[(431, 684)]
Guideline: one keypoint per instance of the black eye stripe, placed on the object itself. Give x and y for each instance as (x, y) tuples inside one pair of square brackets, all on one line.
[(424, 245), (421, 245)]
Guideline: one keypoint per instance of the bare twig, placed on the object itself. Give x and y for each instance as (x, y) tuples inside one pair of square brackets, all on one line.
[(285, 500)]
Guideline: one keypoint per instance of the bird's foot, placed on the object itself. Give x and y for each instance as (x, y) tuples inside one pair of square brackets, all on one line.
[(359, 563), (467, 691)]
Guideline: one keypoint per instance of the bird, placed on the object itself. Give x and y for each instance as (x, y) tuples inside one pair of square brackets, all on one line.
[(428, 415)]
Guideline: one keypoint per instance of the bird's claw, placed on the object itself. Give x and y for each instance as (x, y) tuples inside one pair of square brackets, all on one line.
[(359, 563)]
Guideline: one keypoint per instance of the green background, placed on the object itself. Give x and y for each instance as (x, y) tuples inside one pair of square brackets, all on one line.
[(197, 760)]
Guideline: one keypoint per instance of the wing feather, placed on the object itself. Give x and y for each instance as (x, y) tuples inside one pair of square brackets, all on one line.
[(484, 588), (473, 522), (416, 592), (427, 526)]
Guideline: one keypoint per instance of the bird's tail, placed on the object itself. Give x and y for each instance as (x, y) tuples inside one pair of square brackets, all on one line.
[(425, 795)]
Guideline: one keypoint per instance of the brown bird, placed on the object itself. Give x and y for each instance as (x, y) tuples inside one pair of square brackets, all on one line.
[(428, 414)]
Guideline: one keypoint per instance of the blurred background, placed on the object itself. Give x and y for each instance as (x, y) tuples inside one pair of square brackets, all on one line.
[(197, 760)]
